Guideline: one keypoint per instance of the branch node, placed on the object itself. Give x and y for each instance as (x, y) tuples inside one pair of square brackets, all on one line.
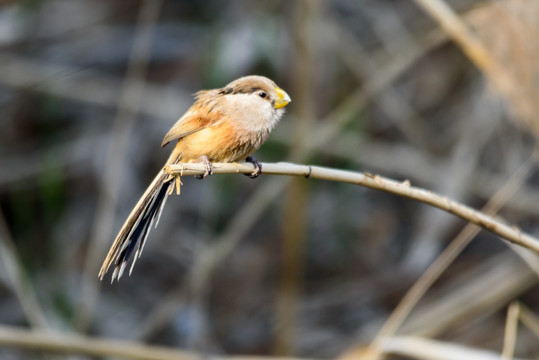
[(309, 173)]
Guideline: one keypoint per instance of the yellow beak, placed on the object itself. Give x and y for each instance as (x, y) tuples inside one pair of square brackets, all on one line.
[(282, 98)]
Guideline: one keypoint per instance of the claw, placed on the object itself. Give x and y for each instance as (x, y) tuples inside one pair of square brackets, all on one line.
[(257, 165), (208, 169)]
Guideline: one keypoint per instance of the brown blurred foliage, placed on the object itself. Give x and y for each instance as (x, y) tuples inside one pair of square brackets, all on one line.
[(509, 30)]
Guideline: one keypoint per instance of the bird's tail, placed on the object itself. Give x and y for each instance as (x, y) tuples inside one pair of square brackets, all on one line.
[(136, 228)]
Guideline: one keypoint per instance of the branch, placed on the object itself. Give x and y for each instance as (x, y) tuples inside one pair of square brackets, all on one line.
[(65, 343), (511, 233)]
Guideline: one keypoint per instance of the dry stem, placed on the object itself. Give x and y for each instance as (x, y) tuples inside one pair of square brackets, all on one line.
[(496, 226), (64, 343)]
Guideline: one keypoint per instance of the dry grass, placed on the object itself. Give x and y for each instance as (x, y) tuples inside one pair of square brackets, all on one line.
[(512, 42)]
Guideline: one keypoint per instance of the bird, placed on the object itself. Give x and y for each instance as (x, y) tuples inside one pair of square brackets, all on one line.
[(222, 125)]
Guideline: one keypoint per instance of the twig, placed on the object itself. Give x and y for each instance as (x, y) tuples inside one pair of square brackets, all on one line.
[(412, 163), (69, 344), (511, 326), (510, 233)]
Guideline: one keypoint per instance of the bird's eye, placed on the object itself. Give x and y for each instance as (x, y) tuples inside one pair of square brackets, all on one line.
[(262, 94)]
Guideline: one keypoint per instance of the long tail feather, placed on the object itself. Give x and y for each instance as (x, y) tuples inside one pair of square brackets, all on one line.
[(136, 228)]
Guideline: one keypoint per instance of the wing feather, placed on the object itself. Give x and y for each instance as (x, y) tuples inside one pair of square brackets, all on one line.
[(202, 114)]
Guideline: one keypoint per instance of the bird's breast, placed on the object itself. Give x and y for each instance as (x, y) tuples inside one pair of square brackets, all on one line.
[(223, 142)]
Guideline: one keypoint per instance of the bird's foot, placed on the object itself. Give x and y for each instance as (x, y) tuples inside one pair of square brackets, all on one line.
[(257, 165), (208, 168)]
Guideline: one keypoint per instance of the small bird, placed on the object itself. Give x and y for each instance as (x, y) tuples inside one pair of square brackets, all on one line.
[(223, 125)]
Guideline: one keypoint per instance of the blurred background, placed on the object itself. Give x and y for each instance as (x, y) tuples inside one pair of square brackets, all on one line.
[(273, 266)]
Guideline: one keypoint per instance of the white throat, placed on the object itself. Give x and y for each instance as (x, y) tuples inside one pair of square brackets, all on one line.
[(253, 113)]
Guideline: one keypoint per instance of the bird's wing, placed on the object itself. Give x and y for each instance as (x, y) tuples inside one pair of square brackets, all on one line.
[(189, 123), (201, 115)]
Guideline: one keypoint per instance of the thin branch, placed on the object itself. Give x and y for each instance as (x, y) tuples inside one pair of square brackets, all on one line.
[(511, 326), (75, 344), (496, 226), (412, 163)]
